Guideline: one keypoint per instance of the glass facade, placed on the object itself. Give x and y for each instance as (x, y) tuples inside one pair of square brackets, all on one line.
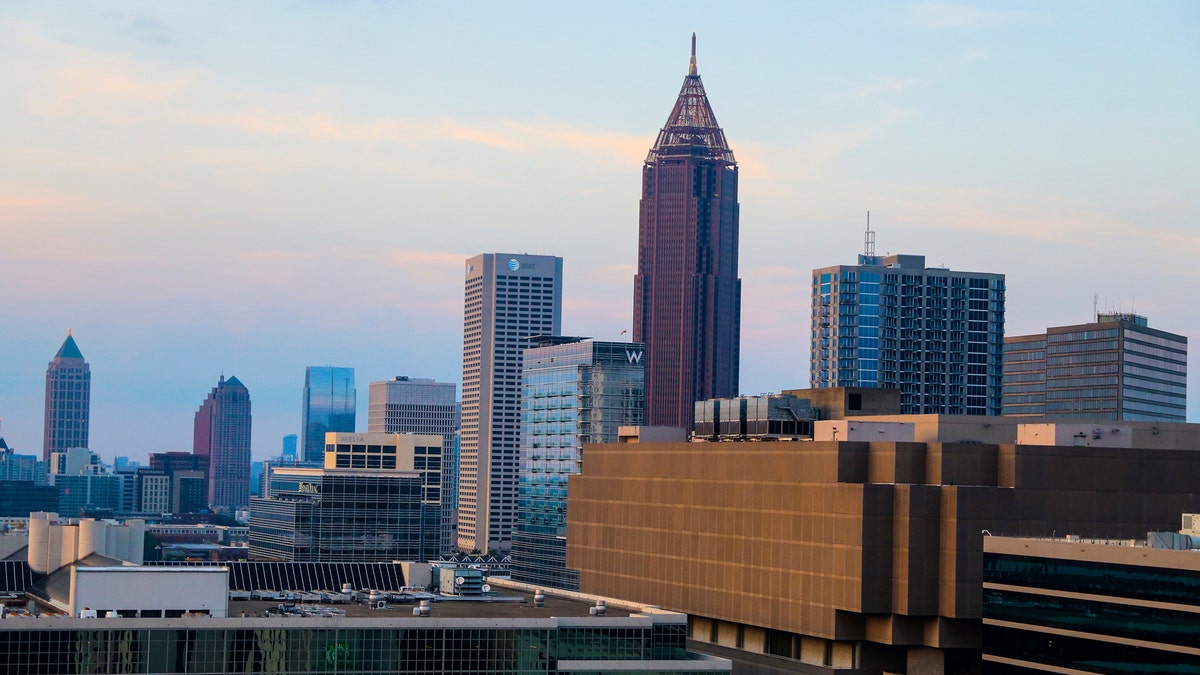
[(574, 392), (315, 646), (334, 516), (1044, 614), (935, 334), (329, 405)]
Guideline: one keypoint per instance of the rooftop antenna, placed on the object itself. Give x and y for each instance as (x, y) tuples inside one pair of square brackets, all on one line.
[(692, 66), (1096, 307), (869, 238)]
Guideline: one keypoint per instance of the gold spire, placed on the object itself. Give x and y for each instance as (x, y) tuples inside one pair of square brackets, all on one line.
[(68, 332), (692, 66)]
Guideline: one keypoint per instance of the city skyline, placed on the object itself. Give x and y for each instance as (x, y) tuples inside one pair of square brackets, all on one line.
[(172, 185)]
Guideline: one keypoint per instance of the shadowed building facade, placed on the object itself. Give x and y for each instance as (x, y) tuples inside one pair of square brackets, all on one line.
[(68, 400), (222, 433), (856, 555), (687, 295)]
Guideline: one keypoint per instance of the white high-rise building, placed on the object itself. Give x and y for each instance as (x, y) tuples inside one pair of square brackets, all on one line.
[(509, 298), (414, 405)]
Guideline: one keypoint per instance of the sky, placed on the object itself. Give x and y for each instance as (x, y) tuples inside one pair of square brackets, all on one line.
[(252, 188)]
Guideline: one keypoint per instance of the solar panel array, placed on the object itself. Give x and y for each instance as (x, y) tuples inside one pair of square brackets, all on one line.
[(16, 577), (305, 576)]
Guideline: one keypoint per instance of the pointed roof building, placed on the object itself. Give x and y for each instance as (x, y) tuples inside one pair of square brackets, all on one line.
[(687, 295), (68, 400), (691, 129)]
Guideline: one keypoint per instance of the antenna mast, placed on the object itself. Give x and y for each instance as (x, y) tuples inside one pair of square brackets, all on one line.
[(869, 238)]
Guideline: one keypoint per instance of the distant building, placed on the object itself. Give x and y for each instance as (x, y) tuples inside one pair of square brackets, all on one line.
[(407, 405), (933, 333), (21, 467), (68, 400), (329, 405), (1080, 606), (508, 298), (575, 391), (1117, 368), (377, 499), (74, 462), (82, 494), (153, 491), (222, 433), (687, 297), (19, 498), (290, 443), (189, 479)]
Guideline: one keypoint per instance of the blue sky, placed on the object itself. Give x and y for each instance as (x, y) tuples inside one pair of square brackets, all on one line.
[(250, 188)]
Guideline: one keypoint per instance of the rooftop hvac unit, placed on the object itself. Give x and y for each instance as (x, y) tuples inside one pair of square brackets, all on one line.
[(1191, 524)]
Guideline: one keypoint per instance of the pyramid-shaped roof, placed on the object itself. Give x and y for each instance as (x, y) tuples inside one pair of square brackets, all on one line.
[(691, 129), (69, 350), (234, 382)]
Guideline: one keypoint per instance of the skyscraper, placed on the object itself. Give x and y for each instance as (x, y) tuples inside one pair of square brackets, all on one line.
[(68, 400), (935, 334), (508, 298), (329, 405), (687, 296), (576, 391), (1117, 368), (222, 433), (413, 405)]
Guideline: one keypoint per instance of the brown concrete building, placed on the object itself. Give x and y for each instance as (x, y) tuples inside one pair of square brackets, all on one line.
[(864, 556)]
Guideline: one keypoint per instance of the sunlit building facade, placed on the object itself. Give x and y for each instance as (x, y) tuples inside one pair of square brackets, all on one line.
[(329, 405), (575, 391), (1117, 368), (507, 299)]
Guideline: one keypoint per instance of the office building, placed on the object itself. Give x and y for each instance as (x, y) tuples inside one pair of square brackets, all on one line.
[(687, 295), (576, 391), (290, 452), (1073, 605), (329, 405), (377, 499), (1117, 368), (68, 400), (935, 334), (508, 298), (21, 467), (222, 434), (188, 477), (859, 555), (413, 405)]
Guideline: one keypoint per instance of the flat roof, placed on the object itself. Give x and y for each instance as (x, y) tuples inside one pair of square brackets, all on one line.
[(453, 609)]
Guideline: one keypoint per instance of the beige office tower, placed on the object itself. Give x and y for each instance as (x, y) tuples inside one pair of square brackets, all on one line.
[(508, 299), (414, 405)]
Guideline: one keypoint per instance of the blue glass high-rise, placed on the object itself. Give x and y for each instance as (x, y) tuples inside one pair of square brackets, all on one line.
[(329, 405), (575, 391)]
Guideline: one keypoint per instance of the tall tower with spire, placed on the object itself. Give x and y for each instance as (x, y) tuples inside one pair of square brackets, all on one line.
[(687, 296), (68, 400)]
